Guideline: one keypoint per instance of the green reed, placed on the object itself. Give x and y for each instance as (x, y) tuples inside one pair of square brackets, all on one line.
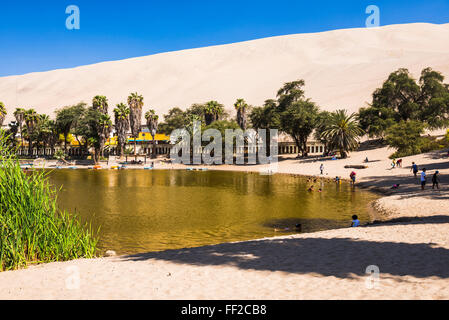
[(32, 228)]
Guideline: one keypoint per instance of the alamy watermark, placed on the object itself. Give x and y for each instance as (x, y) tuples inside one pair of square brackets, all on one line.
[(373, 277), (73, 280), (238, 147), (73, 21), (373, 20)]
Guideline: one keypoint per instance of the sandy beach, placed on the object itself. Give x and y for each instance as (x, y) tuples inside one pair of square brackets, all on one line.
[(410, 248)]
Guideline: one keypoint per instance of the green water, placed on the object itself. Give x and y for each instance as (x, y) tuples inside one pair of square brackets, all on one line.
[(140, 211)]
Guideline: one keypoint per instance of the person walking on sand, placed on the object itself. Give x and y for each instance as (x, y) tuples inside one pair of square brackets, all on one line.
[(414, 169), (423, 179), (436, 180), (322, 169)]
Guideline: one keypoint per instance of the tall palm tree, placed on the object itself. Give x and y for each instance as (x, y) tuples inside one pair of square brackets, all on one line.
[(135, 102), (19, 114), (342, 132), (100, 103), (121, 113), (31, 119), (152, 123), (43, 131), (212, 111), (241, 106), (12, 133), (105, 128), (3, 113)]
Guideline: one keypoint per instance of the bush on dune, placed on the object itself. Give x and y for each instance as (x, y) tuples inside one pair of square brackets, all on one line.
[(32, 228), (406, 138)]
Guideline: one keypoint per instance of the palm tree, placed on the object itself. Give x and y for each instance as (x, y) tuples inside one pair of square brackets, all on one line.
[(241, 106), (212, 111), (105, 128), (100, 103), (152, 123), (19, 114), (31, 119), (3, 113), (135, 102), (342, 132), (12, 133), (121, 113), (44, 130)]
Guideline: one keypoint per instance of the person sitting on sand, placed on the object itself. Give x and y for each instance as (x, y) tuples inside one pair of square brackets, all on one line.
[(311, 189), (355, 221)]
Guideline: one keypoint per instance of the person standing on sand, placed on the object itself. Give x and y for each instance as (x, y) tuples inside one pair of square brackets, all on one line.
[(436, 180), (322, 169), (414, 169), (423, 179)]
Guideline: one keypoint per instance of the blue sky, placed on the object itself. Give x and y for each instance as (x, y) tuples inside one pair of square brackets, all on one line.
[(33, 36)]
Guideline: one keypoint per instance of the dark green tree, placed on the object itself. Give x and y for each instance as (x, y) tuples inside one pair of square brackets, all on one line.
[(405, 137)]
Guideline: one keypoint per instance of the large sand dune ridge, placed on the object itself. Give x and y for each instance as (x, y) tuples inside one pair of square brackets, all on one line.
[(341, 69)]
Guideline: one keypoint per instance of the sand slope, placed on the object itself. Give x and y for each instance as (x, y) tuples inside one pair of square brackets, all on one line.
[(341, 69)]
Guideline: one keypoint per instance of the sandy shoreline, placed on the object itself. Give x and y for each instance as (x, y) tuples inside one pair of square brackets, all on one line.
[(411, 251)]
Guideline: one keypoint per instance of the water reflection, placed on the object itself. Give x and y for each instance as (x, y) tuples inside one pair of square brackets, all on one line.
[(140, 211)]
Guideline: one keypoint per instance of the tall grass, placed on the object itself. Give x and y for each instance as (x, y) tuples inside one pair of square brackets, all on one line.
[(32, 228)]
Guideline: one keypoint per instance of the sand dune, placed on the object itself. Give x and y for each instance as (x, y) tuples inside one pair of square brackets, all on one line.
[(341, 69)]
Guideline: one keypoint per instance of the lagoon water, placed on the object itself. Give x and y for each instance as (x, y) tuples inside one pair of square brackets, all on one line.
[(141, 211)]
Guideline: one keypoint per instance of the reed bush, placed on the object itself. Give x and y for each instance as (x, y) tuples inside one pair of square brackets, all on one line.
[(32, 228)]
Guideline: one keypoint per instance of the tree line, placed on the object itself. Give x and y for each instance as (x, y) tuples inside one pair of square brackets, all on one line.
[(399, 113)]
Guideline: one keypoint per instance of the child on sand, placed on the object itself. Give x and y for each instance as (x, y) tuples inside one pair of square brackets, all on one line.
[(355, 221), (393, 164), (423, 179)]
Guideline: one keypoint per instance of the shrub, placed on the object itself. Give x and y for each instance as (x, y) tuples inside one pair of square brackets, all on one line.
[(32, 228), (406, 138)]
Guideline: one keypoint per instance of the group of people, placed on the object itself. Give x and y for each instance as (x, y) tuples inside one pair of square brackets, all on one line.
[(423, 177), (313, 181)]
